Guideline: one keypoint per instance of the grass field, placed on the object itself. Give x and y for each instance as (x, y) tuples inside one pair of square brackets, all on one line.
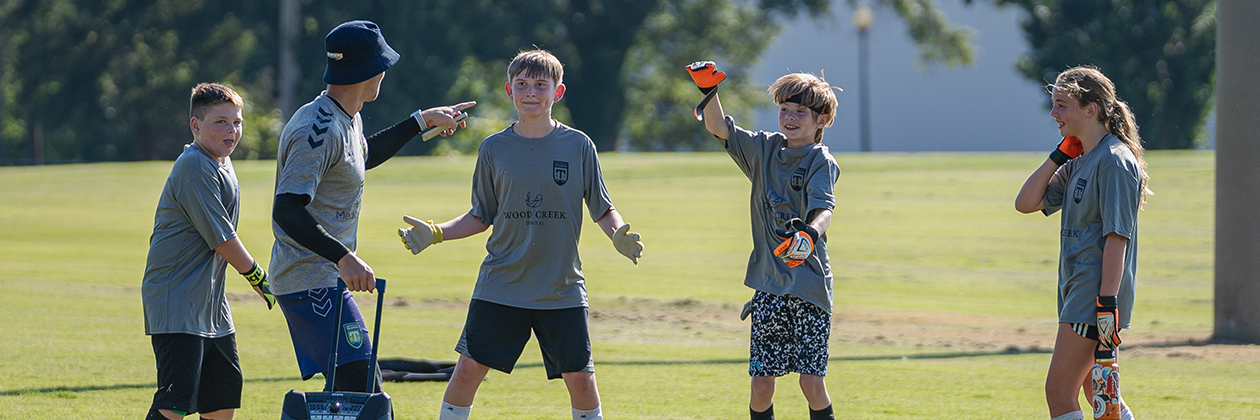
[(945, 295)]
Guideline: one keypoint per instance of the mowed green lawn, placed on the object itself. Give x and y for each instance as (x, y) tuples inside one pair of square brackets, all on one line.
[(944, 294)]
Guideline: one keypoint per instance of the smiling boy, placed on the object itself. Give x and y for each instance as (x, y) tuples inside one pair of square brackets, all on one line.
[(530, 182), (793, 182), (194, 239)]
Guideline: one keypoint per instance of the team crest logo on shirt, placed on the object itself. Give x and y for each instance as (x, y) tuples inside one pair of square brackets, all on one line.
[(533, 200), (1079, 192), (560, 172), (354, 336), (798, 179)]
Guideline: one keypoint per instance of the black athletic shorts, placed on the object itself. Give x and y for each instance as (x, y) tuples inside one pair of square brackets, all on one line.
[(196, 374), (495, 335)]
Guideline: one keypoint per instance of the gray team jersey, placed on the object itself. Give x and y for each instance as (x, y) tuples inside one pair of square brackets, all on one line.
[(321, 155), (531, 190), (786, 183), (183, 276), (1099, 194)]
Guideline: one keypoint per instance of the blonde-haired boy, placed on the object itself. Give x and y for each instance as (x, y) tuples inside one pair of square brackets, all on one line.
[(793, 182), (530, 182)]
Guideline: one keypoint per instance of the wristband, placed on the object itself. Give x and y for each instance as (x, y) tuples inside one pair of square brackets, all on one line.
[(437, 232), (1058, 157), (255, 275), (420, 120), (1108, 301)]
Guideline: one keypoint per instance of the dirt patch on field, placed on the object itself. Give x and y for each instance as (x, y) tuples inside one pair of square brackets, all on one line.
[(688, 319), (694, 321)]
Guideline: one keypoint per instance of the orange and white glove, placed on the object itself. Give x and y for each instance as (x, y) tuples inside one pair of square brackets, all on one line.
[(1108, 316), (798, 242), (1070, 148), (706, 75)]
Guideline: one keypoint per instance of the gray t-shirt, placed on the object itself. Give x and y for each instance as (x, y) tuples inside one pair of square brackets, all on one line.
[(786, 184), (1098, 193), (531, 190), (183, 276), (321, 155)]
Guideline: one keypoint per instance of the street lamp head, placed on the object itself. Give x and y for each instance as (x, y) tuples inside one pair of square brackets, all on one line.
[(863, 17)]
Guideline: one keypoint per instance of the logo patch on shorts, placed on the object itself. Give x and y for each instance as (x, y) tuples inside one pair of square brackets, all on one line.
[(798, 179), (354, 336), (560, 171), (1079, 192)]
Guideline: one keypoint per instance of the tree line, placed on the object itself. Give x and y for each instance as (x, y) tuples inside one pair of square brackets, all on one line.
[(86, 80)]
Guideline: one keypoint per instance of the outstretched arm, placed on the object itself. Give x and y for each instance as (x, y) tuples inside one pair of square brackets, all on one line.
[(610, 222), (462, 227), (626, 242), (423, 234)]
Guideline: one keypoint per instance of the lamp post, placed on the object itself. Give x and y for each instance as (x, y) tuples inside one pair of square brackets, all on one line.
[(863, 17)]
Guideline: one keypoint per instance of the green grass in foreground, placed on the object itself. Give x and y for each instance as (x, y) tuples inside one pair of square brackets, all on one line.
[(931, 238)]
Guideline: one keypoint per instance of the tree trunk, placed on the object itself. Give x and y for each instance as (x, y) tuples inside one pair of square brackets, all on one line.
[(1237, 316), (35, 135), (290, 72), (602, 33)]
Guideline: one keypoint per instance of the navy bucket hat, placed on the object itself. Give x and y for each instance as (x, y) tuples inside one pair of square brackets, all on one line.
[(356, 52)]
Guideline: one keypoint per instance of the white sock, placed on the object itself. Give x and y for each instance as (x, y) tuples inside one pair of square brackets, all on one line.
[(454, 412), (1075, 415), (1126, 414), (592, 414)]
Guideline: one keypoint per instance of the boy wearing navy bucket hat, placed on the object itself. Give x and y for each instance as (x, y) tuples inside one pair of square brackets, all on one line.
[(320, 168)]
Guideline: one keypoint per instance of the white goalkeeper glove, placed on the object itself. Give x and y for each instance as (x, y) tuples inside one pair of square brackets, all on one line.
[(420, 235), (627, 243)]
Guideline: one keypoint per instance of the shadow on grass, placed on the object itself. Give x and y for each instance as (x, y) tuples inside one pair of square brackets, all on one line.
[(1209, 341), (951, 355), (89, 388)]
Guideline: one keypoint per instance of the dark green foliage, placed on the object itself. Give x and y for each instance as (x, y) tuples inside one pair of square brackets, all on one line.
[(101, 80), (1160, 54)]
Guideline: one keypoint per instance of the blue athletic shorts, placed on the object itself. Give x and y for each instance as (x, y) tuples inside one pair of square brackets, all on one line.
[(495, 335), (310, 317), (788, 335)]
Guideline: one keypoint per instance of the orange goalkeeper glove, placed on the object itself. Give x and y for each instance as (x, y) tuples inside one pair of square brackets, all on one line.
[(707, 78), (706, 75), (1108, 316), (798, 242), (1068, 149)]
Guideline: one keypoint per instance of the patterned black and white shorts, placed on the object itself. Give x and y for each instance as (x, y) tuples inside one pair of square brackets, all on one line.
[(788, 335)]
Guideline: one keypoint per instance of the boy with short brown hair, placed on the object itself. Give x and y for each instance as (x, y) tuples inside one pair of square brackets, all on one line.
[(793, 193)]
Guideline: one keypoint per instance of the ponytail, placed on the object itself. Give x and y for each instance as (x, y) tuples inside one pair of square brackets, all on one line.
[(1121, 123)]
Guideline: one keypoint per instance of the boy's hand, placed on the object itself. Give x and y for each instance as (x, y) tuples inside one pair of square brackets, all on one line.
[(627, 243), (1108, 314), (798, 242), (1068, 149), (706, 75), (707, 78), (420, 235), (258, 278)]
